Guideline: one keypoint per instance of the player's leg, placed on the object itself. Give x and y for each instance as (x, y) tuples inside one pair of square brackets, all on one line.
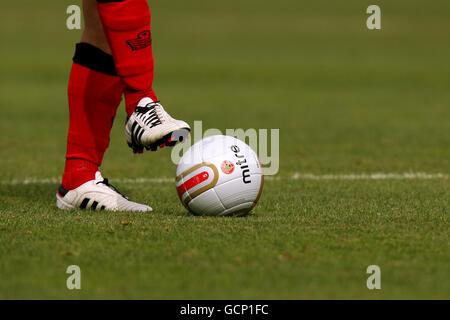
[(93, 29), (94, 93), (127, 27)]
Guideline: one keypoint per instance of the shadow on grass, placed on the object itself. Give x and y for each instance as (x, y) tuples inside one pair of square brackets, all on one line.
[(31, 194), (35, 195)]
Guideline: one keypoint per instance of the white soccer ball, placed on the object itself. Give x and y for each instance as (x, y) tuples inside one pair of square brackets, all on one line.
[(219, 176)]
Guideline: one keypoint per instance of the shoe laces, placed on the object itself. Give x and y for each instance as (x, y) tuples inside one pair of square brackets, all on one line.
[(160, 112), (105, 181), (155, 107)]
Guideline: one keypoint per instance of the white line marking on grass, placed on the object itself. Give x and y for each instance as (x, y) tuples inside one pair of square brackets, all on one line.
[(144, 180), (57, 181), (295, 176), (371, 176), (30, 181)]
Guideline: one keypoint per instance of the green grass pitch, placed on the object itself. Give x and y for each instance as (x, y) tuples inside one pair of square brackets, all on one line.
[(347, 100)]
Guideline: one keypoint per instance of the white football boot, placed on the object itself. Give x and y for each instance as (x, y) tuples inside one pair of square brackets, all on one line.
[(151, 126), (97, 194)]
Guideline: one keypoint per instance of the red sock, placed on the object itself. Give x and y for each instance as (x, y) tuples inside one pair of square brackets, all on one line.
[(95, 92), (127, 28)]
